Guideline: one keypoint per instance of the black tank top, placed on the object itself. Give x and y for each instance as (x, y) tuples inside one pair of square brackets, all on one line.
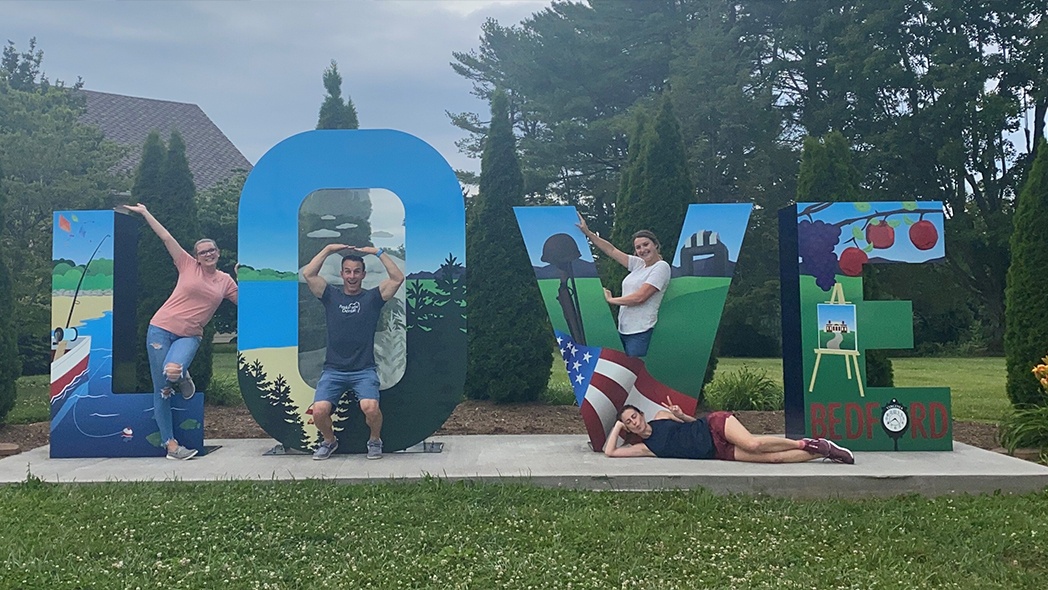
[(675, 440)]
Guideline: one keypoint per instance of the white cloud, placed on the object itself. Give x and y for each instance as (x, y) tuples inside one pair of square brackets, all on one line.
[(324, 233)]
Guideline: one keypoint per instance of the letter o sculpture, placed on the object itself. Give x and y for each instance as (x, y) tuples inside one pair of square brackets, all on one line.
[(427, 318)]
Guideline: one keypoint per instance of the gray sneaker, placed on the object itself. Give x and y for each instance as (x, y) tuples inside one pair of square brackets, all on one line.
[(181, 454), (187, 387), (325, 450), (375, 449)]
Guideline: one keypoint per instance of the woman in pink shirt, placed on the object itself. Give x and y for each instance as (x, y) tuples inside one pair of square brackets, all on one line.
[(177, 327)]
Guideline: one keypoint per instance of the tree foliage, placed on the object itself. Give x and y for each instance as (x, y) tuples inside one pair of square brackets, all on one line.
[(217, 207), (52, 162), (10, 367), (510, 347), (334, 112), (938, 101), (656, 188), (164, 184), (1026, 339)]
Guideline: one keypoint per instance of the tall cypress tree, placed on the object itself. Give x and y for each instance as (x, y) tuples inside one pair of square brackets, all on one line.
[(334, 112), (165, 185), (156, 274), (510, 345), (10, 366), (656, 188), (179, 216), (1026, 306), (828, 174)]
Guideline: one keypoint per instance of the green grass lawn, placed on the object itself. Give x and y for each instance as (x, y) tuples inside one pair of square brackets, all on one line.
[(434, 534), (977, 384)]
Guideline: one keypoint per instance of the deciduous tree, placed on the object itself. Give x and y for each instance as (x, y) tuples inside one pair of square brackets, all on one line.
[(52, 162)]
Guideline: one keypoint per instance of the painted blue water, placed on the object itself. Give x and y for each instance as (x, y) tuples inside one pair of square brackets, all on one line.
[(92, 421)]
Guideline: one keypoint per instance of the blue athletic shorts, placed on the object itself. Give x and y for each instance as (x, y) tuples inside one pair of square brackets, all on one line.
[(333, 383)]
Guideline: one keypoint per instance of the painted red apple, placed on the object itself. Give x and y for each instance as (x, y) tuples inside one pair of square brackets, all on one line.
[(852, 260), (880, 234), (924, 235)]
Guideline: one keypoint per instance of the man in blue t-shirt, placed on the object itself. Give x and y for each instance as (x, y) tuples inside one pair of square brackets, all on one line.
[(352, 316)]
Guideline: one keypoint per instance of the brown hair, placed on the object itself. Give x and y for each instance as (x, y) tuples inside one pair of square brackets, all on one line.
[(647, 234), (201, 241)]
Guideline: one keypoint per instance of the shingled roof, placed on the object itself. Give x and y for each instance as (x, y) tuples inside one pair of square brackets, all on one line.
[(128, 120)]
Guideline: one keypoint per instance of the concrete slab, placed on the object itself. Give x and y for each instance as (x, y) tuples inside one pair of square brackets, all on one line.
[(563, 461)]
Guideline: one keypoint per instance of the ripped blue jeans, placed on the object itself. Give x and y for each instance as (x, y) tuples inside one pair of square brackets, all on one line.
[(163, 347)]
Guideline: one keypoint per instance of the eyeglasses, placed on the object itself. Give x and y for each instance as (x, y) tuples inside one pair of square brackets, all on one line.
[(208, 251)]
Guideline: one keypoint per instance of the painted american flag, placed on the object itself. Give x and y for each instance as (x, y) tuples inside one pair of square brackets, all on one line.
[(605, 379)]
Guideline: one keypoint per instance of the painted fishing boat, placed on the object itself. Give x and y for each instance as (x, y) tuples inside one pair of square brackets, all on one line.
[(70, 369)]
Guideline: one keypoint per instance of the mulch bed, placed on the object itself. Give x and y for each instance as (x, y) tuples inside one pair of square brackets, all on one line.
[(479, 417)]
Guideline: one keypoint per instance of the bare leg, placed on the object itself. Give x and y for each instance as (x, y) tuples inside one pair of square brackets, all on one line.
[(322, 420), (373, 416), (794, 456), (737, 435), (765, 449)]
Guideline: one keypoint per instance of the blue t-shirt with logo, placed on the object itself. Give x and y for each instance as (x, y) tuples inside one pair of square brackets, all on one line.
[(351, 324)]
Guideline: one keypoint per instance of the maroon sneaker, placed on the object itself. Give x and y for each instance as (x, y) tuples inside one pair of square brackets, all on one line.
[(839, 454), (817, 446), (828, 449)]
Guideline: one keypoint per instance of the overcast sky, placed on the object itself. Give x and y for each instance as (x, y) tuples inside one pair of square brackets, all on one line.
[(255, 67)]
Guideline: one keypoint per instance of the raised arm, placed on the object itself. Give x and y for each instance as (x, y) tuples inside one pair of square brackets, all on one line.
[(612, 448), (388, 287), (604, 245), (172, 245), (311, 272)]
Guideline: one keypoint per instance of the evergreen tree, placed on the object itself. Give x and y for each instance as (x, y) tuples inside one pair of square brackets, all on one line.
[(165, 185), (510, 348), (334, 112), (828, 174), (656, 188), (1026, 307), (10, 367), (156, 274)]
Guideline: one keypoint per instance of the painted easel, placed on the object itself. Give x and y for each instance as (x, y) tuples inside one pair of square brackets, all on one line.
[(850, 356)]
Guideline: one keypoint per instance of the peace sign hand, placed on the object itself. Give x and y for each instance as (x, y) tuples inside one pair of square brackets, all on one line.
[(672, 407)]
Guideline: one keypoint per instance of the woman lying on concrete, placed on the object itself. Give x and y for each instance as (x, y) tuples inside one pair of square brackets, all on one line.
[(718, 435)]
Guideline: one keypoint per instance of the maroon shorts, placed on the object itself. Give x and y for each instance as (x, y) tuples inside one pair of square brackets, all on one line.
[(724, 450)]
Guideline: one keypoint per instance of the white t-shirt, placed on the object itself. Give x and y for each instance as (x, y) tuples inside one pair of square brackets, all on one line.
[(634, 319)]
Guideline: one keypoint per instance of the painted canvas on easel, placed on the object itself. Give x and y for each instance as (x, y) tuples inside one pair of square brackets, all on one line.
[(837, 327)]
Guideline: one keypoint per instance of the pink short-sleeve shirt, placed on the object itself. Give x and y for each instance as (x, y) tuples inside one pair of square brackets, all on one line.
[(195, 298)]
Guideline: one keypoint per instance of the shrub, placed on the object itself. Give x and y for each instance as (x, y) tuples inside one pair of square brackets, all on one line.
[(223, 391), (1027, 427), (745, 389)]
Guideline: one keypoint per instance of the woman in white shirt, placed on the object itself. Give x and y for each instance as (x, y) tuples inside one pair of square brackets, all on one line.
[(642, 289)]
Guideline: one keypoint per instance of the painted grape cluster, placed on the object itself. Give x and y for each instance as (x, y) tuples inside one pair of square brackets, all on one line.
[(816, 240)]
